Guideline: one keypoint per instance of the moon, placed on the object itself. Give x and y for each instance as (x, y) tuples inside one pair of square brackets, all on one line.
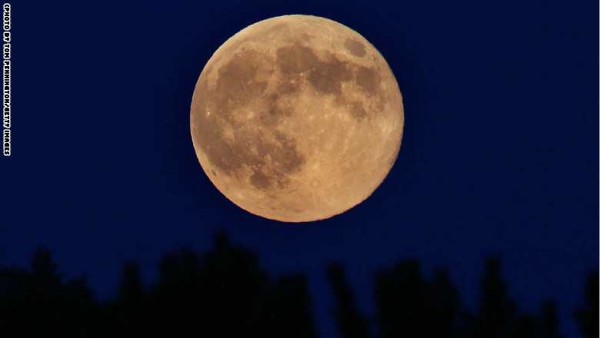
[(296, 118)]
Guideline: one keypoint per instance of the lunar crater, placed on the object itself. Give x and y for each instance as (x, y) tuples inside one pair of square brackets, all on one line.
[(296, 59), (358, 111), (355, 48), (367, 79), (328, 76)]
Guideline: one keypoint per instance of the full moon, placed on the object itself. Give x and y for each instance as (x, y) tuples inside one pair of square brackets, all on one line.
[(297, 118)]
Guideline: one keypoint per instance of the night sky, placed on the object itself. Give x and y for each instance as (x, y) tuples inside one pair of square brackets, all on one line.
[(499, 155)]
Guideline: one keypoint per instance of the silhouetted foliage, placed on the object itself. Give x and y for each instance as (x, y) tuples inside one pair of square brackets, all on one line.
[(225, 293), (410, 306), (37, 302), (587, 317), (444, 306), (548, 325), (523, 327), (287, 309), (496, 310), (351, 323), (401, 301), (130, 307)]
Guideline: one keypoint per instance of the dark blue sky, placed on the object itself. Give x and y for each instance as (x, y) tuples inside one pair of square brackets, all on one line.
[(499, 155)]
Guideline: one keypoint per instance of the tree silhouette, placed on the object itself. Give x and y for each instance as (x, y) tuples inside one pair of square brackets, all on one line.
[(548, 326), (444, 306), (234, 286), (587, 317), (176, 305), (82, 309), (401, 302), (13, 291), (496, 310), (43, 267), (130, 308), (225, 293), (37, 302), (287, 310), (351, 323), (523, 327)]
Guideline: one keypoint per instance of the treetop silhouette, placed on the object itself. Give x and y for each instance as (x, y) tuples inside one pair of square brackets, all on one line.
[(226, 293)]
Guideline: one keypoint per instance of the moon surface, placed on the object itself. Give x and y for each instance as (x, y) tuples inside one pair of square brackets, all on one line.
[(296, 118)]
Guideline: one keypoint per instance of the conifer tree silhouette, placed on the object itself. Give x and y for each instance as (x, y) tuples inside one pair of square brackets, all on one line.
[(444, 306), (548, 323), (13, 293), (287, 309), (496, 310), (131, 306), (225, 293), (350, 322), (83, 309), (37, 303), (234, 288), (176, 303), (523, 327), (401, 302), (587, 316), (43, 295)]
